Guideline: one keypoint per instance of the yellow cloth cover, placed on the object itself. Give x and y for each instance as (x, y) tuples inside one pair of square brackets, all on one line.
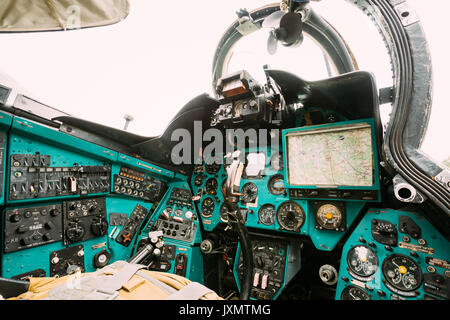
[(45, 15), (137, 288)]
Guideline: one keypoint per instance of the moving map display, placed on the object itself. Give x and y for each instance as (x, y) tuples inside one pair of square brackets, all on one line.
[(333, 156)]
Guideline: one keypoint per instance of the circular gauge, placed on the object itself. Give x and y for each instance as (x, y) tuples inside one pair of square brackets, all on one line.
[(354, 293), (207, 207), (290, 216), (168, 211), (276, 185), (402, 272), (214, 167), (266, 214), (276, 162), (329, 217), (211, 186), (178, 213), (362, 261), (198, 181), (224, 213), (249, 192)]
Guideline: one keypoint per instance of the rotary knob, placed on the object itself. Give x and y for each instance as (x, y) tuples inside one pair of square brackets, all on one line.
[(75, 232), (15, 217), (99, 227)]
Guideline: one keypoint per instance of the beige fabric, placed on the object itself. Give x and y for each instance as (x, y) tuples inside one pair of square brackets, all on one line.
[(44, 15), (137, 288)]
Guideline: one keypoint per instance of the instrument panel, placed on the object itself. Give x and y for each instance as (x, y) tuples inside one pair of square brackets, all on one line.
[(267, 204), (64, 209), (391, 262), (263, 197)]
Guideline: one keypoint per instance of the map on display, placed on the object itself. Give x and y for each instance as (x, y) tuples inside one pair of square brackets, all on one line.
[(340, 156)]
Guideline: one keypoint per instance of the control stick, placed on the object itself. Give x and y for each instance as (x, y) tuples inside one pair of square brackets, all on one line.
[(237, 223), (151, 250)]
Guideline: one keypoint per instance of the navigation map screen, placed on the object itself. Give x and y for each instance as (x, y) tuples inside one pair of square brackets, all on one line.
[(332, 156)]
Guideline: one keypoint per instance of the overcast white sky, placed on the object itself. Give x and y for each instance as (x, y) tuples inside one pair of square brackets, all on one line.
[(160, 57)]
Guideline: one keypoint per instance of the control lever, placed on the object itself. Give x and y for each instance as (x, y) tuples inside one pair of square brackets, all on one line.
[(234, 178), (151, 250), (237, 223)]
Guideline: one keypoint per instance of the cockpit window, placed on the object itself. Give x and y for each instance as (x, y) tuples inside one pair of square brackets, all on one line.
[(150, 65)]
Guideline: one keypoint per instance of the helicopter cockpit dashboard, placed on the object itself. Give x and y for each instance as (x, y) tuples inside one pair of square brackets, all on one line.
[(277, 189)]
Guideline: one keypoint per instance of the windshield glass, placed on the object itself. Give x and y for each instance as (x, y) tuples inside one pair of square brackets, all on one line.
[(160, 57)]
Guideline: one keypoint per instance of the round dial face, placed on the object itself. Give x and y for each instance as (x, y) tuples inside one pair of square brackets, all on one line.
[(224, 213), (362, 261), (198, 181), (168, 211), (207, 207), (266, 214), (276, 162), (329, 216), (276, 185), (178, 213), (214, 167), (290, 216), (354, 293), (402, 272), (249, 192), (211, 186)]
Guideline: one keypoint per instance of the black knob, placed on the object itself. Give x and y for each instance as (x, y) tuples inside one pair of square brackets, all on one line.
[(22, 229), (26, 241), (49, 225), (54, 212), (47, 237), (381, 293), (99, 227), (75, 232), (15, 217), (259, 262)]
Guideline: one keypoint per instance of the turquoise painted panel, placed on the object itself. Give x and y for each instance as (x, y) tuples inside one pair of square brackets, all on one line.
[(164, 204), (119, 204), (194, 268), (32, 130), (30, 259), (326, 240), (264, 197), (5, 120), (5, 124), (362, 236), (59, 157), (141, 165)]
